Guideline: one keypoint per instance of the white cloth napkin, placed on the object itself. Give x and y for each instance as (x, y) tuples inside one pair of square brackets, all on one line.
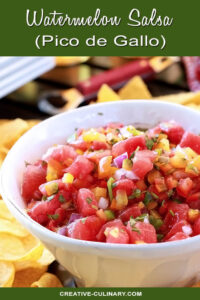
[(15, 71)]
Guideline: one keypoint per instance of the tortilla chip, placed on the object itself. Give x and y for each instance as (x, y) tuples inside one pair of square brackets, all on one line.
[(3, 153), (194, 106), (12, 227), (47, 280), (11, 247), (4, 212), (181, 98), (33, 248), (135, 89), (106, 94), (11, 131), (3, 121), (44, 261), (7, 273), (32, 123), (26, 277)]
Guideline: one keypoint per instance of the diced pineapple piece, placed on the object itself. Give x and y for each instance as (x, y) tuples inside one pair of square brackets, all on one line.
[(193, 214), (93, 135), (51, 188), (79, 151), (179, 160), (105, 170), (189, 153), (140, 242), (99, 192), (68, 178), (163, 144), (121, 199), (52, 174), (127, 164), (134, 131), (196, 162)]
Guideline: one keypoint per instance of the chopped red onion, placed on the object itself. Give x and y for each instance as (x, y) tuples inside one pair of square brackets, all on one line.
[(122, 173), (119, 159), (187, 229), (74, 217), (103, 203), (146, 219), (62, 230)]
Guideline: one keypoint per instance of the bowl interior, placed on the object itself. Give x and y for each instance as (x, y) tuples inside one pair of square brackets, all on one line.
[(55, 130)]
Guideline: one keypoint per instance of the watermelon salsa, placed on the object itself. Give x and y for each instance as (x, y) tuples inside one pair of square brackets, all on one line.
[(119, 184)]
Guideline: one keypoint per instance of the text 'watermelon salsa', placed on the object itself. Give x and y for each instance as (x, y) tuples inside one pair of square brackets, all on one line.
[(117, 184)]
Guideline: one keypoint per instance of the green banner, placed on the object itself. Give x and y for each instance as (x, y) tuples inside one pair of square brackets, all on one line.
[(104, 293), (130, 28)]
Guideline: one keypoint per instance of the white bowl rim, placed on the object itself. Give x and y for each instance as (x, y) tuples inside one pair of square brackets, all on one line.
[(63, 240)]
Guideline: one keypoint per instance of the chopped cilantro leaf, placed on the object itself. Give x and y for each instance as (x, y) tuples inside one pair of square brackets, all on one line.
[(147, 198), (136, 194), (132, 221), (177, 201), (53, 217), (89, 200), (159, 237), (136, 229), (114, 185), (94, 206), (156, 222), (27, 163), (162, 203), (141, 218), (171, 212), (133, 154), (61, 198), (149, 144)]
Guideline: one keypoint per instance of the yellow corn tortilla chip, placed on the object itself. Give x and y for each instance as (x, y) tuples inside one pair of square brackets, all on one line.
[(4, 212), (194, 106), (70, 60), (181, 98), (135, 89), (3, 153), (7, 273), (106, 94), (3, 121), (33, 248), (11, 247), (27, 276), (47, 280), (11, 131), (12, 227), (32, 123), (46, 259)]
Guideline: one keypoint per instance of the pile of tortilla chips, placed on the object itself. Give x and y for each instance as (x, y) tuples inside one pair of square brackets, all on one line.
[(137, 89), (23, 259)]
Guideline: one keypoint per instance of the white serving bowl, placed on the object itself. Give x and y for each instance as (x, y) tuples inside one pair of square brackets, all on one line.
[(99, 264)]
